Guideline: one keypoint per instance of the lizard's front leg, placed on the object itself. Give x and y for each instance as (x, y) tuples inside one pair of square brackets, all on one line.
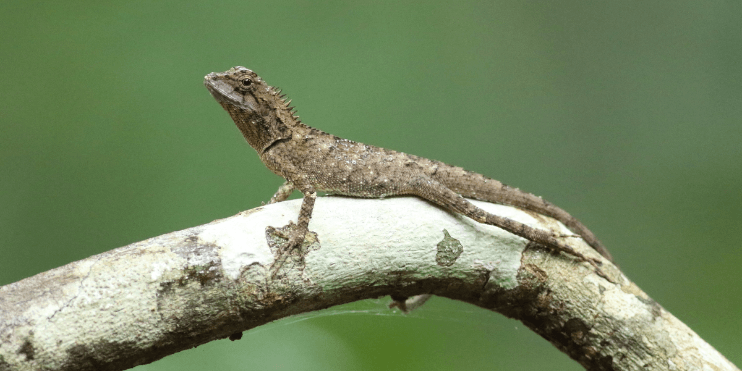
[(295, 236), (283, 192), (436, 192), (305, 215)]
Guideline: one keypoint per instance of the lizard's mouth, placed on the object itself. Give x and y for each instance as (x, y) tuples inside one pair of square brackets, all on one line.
[(216, 87), (225, 93)]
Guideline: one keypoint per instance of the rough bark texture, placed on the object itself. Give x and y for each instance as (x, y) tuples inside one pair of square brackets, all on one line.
[(142, 302)]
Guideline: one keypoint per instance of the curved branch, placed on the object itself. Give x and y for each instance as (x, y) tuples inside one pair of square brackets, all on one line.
[(139, 303)]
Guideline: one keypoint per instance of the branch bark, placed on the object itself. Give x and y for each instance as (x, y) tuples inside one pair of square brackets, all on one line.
[(139, 303)]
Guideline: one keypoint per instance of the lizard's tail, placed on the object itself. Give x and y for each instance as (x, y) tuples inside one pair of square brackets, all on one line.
[(479, 187)]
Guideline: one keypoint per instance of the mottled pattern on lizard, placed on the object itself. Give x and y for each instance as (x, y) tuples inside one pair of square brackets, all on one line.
[(313, 161)]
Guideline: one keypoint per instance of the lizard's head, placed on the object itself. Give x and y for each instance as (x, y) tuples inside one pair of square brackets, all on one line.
[(239, 87), (259, 110)]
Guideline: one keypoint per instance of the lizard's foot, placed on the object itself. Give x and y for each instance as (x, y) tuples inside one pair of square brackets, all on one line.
[(566, 235), (595, 262), (293, 241), (287, 243), (290, 233)]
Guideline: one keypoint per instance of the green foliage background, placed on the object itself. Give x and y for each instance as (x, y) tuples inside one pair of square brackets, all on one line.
[(627, 114)]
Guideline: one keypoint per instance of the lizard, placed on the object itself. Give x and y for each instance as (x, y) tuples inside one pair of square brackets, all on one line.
[(313, 161)]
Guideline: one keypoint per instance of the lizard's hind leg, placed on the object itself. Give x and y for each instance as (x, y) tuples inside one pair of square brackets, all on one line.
[(436, 192), (479, 187)]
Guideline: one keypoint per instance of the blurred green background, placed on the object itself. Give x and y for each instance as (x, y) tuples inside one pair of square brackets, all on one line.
[(628, 115)]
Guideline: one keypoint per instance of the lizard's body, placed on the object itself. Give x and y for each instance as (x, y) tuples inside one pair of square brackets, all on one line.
[(313, 161)]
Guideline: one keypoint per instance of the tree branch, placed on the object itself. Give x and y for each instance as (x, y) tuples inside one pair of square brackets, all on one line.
[(139, 303)]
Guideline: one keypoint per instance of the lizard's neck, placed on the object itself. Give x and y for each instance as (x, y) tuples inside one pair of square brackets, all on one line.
[(274, 121)]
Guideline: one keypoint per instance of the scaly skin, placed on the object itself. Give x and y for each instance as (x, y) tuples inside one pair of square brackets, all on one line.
[(312, 161)]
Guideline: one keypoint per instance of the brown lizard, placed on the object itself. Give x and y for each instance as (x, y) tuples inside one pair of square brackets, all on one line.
[(313, 161)]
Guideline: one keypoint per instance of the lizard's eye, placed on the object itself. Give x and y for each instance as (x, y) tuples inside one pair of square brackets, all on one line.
[(246, 82)]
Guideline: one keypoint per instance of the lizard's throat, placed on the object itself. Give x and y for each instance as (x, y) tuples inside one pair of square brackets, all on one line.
[(260, 131)]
